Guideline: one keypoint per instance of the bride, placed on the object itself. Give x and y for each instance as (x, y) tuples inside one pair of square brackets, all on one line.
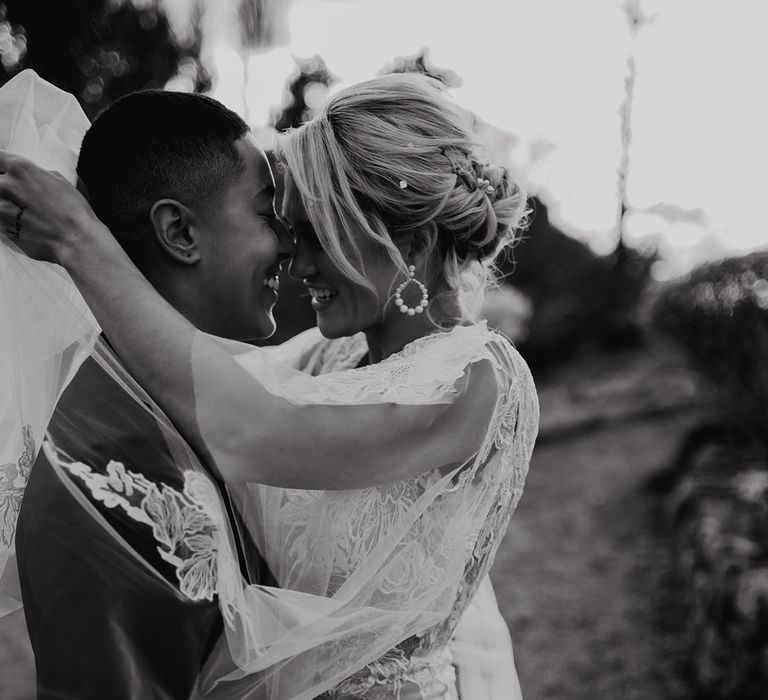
[(375, 460)]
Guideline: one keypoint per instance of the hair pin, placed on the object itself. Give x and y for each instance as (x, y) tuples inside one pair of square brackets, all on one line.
[(486, 185)]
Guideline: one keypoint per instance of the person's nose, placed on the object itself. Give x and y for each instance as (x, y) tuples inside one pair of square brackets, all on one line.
[(302, 264), (286, 248)]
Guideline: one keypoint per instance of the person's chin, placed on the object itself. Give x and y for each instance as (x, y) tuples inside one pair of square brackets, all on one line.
[(265, 329), (259, 329), (334, 327)]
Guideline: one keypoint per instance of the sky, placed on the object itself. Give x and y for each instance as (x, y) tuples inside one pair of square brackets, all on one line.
[(552, 73)]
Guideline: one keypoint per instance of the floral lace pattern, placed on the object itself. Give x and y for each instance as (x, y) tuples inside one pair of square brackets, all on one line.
[(186, 534), (13, 481)]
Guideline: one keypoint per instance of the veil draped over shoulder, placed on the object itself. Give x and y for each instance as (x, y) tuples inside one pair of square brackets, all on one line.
[(369, 578)]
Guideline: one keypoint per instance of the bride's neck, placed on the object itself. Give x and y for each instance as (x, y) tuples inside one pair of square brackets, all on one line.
[(393, 334)]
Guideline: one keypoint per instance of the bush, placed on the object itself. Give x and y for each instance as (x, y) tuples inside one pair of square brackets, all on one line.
[(719, 314), (722, 523)]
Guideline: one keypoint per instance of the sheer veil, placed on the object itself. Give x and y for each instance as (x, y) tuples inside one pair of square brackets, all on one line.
[(363, 574), (46, 330)]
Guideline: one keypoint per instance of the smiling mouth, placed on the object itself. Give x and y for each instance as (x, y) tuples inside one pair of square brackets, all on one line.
[(272, 281), (321, 296)]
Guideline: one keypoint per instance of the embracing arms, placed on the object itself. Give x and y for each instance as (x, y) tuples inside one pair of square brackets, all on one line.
[(250, 434)]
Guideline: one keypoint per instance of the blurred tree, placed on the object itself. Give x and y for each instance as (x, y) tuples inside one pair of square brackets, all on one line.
[(101, 49), (420, 62), (263, 23), (581, 300), (305, 91), (13, 45)]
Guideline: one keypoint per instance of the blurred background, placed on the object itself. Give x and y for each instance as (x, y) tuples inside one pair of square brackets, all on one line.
[(637, 563)]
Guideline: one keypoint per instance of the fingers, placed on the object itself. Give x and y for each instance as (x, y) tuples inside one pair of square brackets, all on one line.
[(13, 170), (8, 206), (11, 163), (11, 215), (5, 161), (11, 167)]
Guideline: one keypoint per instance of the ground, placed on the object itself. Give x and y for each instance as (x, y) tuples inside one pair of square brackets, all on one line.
[(585, 576)]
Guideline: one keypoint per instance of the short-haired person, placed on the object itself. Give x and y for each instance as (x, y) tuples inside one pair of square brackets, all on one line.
[(188, 194)]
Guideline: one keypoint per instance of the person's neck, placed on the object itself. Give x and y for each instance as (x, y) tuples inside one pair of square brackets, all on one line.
[(387, 338), (178, 290)]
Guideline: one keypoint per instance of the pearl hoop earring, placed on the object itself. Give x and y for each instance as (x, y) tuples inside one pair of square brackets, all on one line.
[(404, 308)]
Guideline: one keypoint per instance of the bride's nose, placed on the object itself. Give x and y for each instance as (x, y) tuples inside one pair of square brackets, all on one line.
[(303, 264)]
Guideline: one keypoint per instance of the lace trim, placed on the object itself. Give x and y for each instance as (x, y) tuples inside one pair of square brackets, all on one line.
[(426, 368), (13, 481), (181, 522)]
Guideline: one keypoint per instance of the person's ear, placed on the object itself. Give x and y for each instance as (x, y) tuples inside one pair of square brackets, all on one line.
[(171, 222), (421, 246)]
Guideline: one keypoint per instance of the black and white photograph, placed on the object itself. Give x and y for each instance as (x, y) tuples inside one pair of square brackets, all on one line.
[(383, 350)]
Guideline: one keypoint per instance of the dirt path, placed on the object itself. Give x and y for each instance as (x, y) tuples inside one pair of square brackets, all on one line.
[(585, 575)]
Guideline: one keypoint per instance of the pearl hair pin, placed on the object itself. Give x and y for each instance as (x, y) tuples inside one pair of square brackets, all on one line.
[(404, 308), (486, 185)]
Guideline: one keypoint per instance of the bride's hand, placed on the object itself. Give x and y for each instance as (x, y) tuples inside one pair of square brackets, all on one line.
[(42, 213)]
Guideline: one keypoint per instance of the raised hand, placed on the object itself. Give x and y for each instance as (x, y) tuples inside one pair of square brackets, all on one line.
[(41, 212)]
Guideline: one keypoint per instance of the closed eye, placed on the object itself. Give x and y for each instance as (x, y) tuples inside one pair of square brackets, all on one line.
[(309, 237)]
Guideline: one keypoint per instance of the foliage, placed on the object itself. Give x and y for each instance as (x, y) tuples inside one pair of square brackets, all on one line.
[(100, 50), (310, 75), (580, 299), (420, 62), (722, 523), (719, 314)]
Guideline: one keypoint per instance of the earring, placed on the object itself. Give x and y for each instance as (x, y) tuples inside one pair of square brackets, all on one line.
[(404, 308)]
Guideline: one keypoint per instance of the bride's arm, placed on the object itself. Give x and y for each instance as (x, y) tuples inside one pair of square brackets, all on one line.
[(300, 446)]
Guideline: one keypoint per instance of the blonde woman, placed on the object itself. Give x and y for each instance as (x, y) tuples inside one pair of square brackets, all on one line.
[(375, 460)]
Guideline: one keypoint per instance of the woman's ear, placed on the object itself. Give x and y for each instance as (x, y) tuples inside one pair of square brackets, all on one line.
[(421, 246), (171, 222)]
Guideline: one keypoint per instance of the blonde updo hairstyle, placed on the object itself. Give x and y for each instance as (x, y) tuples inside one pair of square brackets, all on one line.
[(394, 157)]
